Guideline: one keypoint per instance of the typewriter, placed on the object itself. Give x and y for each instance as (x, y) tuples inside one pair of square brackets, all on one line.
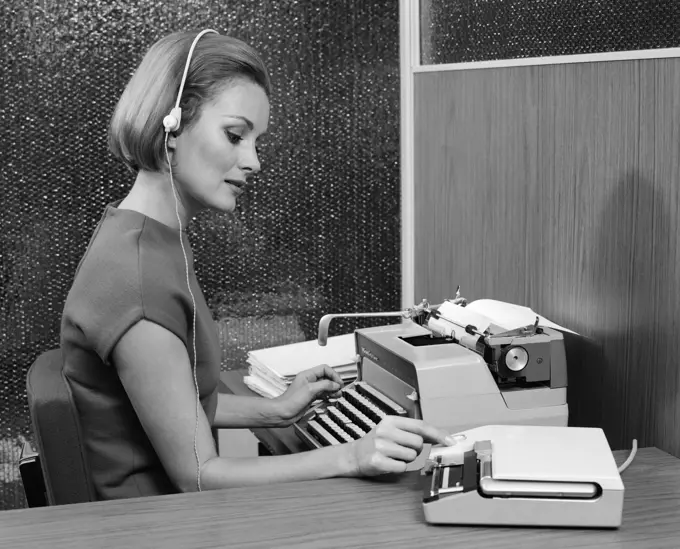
[(522, 475), (449, 366)]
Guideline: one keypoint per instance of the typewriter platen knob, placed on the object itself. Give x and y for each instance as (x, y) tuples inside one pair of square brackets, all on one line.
[(516, 359)]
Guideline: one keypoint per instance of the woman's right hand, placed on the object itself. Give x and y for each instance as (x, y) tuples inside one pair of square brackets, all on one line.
[(393, 444)]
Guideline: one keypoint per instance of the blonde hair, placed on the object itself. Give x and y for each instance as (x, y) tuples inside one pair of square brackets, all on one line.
[(136, 131)]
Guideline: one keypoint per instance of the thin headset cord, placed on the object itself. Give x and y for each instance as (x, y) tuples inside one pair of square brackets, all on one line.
[(193, 301)]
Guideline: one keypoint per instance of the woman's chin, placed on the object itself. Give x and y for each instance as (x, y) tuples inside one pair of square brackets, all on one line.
[(224, 204), (219, 201)]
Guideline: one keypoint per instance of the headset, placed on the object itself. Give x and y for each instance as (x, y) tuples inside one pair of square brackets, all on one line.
[(172, 123)]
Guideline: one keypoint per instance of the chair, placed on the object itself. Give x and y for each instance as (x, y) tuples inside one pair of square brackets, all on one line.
[(57, 434)]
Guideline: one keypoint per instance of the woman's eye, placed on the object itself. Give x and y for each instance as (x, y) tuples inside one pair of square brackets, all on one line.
[(233, 138)]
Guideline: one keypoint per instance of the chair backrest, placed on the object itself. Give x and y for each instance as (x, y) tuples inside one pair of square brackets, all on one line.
[(57, 432)]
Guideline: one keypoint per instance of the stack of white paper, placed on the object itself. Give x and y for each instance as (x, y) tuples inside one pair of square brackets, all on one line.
[(272, 370)]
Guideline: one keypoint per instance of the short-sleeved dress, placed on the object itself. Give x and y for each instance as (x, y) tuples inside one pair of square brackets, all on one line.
[(133, 269)]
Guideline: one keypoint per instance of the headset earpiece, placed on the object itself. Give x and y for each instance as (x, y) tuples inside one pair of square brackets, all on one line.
[(171, 122)]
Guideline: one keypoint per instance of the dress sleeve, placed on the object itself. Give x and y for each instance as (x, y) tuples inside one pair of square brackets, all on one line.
[(133, 291)]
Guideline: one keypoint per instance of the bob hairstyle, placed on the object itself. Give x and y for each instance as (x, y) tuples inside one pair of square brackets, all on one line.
[(136, 132)]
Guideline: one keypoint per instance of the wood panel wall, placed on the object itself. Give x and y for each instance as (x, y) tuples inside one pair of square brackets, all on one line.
[(556, 187)]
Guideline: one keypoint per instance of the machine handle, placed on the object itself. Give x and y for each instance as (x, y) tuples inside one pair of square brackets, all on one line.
[(325, 321)]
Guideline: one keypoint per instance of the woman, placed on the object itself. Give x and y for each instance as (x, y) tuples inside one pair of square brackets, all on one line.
[(138, 339)]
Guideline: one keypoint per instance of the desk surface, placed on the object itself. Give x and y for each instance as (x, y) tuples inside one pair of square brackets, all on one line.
[(336, 513)]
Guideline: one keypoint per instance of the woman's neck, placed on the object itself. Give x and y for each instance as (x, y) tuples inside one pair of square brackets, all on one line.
[(153, 196)]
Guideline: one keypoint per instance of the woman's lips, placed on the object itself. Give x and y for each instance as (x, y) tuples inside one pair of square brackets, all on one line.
[(236, 186)]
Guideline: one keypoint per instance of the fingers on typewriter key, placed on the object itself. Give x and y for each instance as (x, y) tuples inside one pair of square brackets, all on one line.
[(323, 371), (392, 450), (426, 432), (406, 438)]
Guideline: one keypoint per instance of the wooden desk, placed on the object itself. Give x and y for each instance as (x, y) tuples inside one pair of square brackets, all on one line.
[(336, 513)]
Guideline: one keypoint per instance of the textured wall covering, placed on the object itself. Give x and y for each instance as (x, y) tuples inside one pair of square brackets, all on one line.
[(458, 31), (319, 232)]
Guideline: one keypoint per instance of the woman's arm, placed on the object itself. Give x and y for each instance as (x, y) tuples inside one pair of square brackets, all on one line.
[(243, 411), (237, 411), (388, 448), (155, 370)]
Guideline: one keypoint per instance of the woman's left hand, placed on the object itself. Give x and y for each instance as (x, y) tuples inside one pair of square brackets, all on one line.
[(308, 386)]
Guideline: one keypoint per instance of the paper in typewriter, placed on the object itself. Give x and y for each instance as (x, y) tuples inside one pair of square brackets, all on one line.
[(271, 370), (498, 316)]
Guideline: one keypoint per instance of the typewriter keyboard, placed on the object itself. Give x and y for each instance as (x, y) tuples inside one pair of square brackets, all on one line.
[(359, 409)]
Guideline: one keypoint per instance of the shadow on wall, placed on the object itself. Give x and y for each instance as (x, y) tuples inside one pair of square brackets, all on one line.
[(630, 316)]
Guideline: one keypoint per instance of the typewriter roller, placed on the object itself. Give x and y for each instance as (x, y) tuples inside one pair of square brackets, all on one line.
[(358, 410)]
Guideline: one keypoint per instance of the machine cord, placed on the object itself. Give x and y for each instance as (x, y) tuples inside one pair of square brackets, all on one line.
[(631, 457)]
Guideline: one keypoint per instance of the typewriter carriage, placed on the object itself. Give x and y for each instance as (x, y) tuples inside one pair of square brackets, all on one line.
[(390, 374)]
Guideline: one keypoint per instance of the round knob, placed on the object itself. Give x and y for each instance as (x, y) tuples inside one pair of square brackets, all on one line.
[(516, 359)]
